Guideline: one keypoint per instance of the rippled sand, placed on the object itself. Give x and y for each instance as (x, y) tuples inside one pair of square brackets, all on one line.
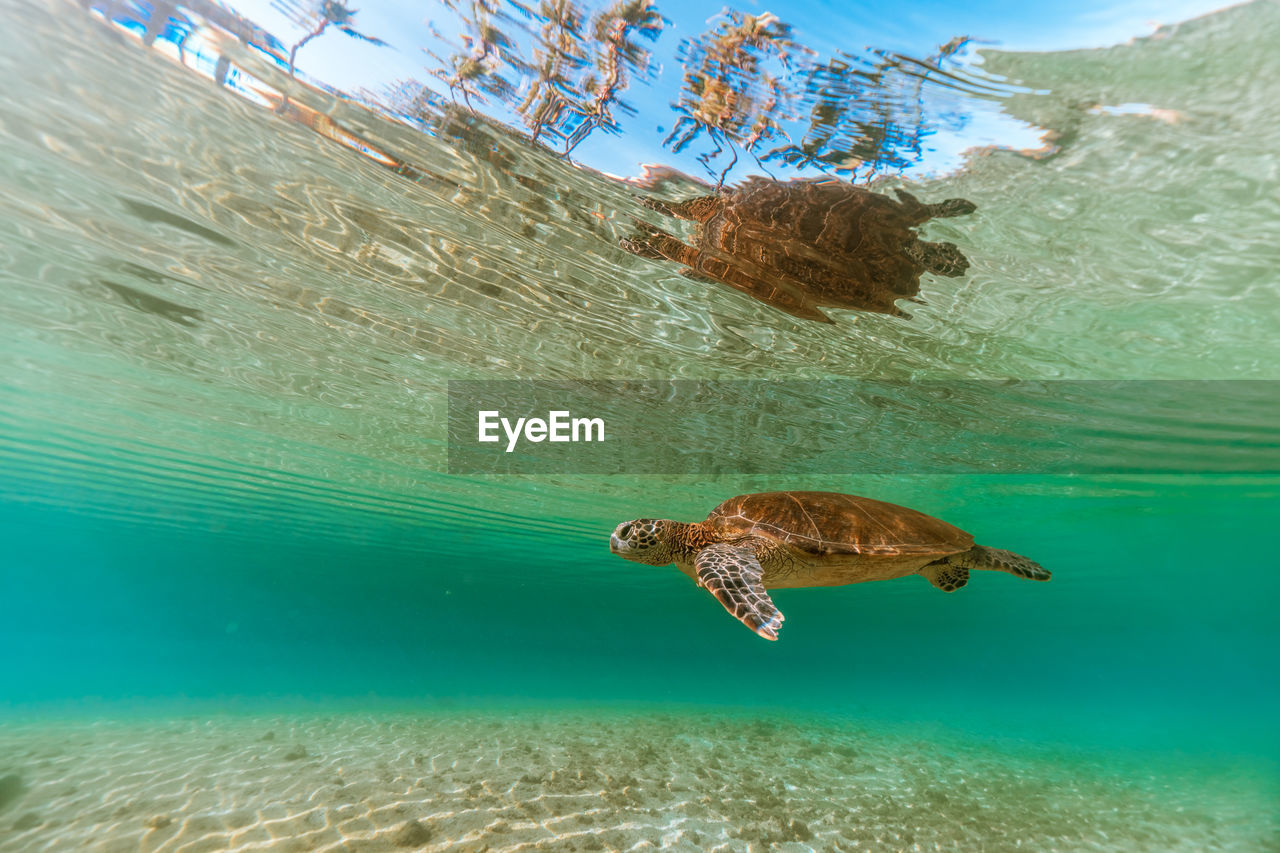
[(591, 782)]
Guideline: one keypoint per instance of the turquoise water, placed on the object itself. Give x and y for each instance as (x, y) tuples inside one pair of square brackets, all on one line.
[(1130, 644), (226, 333)]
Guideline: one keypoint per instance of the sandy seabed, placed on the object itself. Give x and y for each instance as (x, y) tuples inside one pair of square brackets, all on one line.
[(594, 782)]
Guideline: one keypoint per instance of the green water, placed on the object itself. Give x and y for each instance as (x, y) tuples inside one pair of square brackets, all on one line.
[(225, 343)]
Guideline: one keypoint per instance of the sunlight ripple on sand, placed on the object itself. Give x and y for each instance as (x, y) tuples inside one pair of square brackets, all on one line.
[(583, 782)]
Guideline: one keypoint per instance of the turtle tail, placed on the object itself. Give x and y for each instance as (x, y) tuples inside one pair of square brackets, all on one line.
[(921, 212), (951, 207), (1000, 560)]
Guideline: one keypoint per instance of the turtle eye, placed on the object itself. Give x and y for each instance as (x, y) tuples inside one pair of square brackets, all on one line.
[(625, 532)]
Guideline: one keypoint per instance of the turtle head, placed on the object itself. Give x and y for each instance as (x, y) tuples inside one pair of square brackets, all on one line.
[(645, 540)]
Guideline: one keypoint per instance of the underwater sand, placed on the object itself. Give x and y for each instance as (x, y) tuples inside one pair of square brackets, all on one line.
[(578, 781)]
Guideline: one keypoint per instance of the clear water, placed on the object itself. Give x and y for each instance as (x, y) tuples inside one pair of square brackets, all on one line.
[(226, 339)]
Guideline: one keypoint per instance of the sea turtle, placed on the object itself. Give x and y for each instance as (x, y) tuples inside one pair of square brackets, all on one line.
[(801, 245), (772, 540)]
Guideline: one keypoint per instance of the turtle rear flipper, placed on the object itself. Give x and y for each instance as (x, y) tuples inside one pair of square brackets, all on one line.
[(907, 198), (641, 248), (941, 210), (733, 574), (656, 204), (999, 560), (951, 207)]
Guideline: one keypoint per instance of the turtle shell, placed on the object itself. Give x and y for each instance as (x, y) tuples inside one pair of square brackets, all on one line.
[(815, 219), (829, 523), (821, 243)]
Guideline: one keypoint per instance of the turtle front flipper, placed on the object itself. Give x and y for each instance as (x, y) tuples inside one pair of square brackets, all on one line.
[(733, 574)]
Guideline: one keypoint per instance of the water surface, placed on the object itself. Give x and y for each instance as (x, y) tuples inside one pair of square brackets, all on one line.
[(227, 323)]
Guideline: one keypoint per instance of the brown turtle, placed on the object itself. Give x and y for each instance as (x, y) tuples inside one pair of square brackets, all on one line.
[(773, 540), (801, 245)]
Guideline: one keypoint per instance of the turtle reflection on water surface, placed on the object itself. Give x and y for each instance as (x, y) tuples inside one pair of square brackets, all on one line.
[(802, 245)]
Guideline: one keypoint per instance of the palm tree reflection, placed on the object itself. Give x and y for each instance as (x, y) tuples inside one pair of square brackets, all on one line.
[(562, 74), (748, 84), (319, 17), (561, 69)]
